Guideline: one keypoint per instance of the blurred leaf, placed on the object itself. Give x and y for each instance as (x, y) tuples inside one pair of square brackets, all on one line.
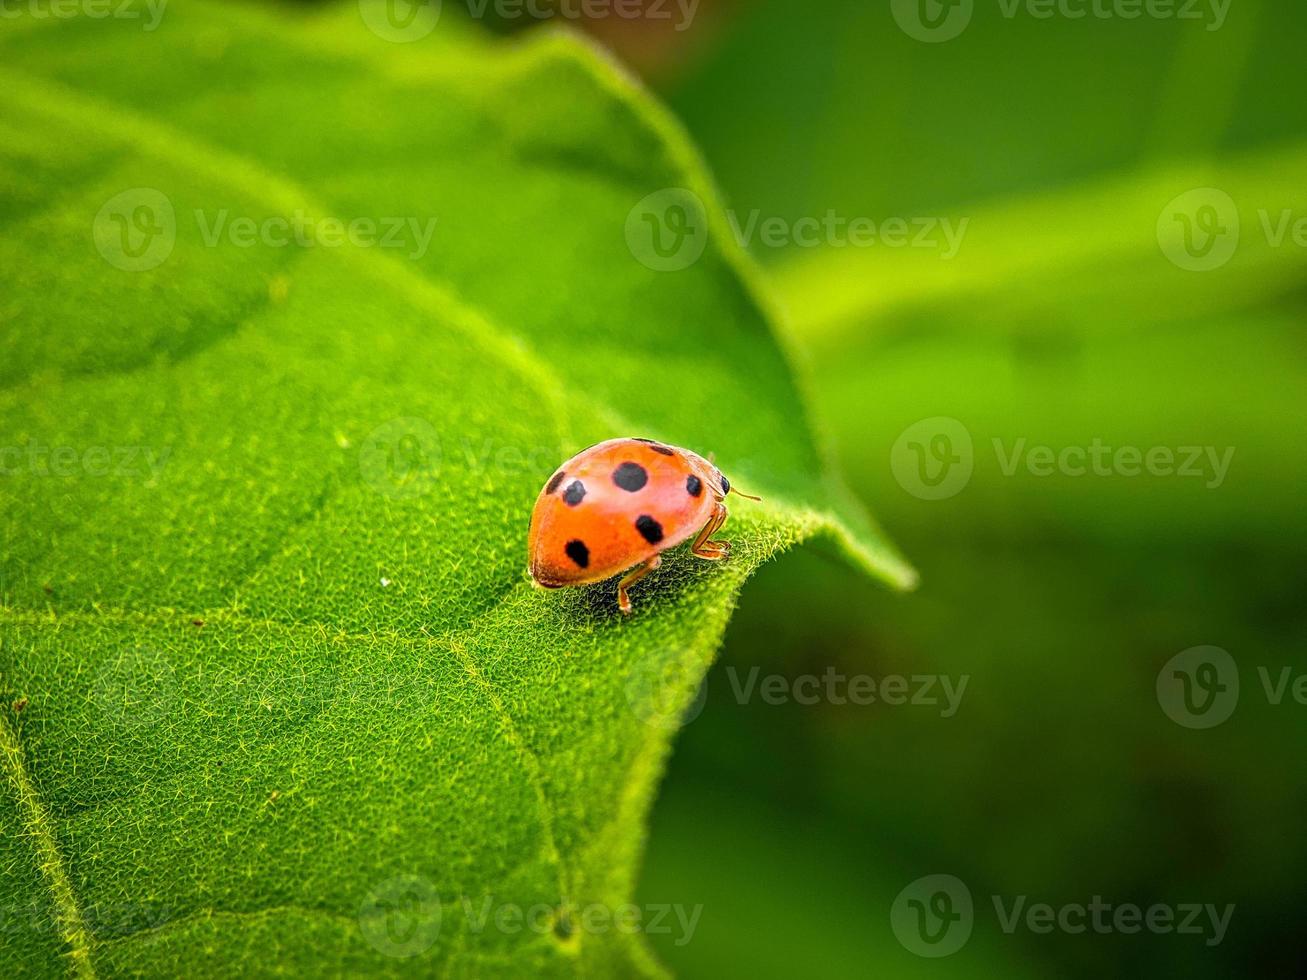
[(276, 692), (1099, 255), (1225, 384), (800, 112)]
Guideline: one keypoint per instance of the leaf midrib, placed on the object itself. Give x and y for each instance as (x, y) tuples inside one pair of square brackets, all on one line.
[(36, 817)]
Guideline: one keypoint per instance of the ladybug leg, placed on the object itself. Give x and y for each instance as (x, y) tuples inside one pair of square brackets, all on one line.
[(630, 578), (712, 550)]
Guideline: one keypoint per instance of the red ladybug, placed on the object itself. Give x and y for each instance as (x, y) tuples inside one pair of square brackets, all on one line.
[(618, 506)]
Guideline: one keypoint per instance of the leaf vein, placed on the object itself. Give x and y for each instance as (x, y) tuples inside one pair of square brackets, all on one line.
[(530, 762), (68, 913)]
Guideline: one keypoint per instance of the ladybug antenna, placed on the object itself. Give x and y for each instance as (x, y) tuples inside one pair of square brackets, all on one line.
[(727, 488)]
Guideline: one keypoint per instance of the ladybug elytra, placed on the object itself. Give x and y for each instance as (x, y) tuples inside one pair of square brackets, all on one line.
[(616, 506)]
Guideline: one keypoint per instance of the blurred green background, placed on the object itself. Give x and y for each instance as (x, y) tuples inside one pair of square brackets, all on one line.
[(1061, 320)]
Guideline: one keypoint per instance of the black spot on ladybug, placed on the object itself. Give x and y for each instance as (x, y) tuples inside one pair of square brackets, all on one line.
[(574, 494), (578, 552), (630, 477), (554, 480), (649, 529), (693, 485)]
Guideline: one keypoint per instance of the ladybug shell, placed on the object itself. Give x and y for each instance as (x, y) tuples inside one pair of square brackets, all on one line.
[(616, 505)]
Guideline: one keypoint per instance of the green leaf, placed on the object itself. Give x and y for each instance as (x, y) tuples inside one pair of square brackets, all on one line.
[(276, 693)]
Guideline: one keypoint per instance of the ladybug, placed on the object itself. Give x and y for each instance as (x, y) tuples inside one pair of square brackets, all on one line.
[(617, 506)]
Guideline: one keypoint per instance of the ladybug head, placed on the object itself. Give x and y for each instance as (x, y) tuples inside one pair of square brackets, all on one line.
[(726, 487)]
